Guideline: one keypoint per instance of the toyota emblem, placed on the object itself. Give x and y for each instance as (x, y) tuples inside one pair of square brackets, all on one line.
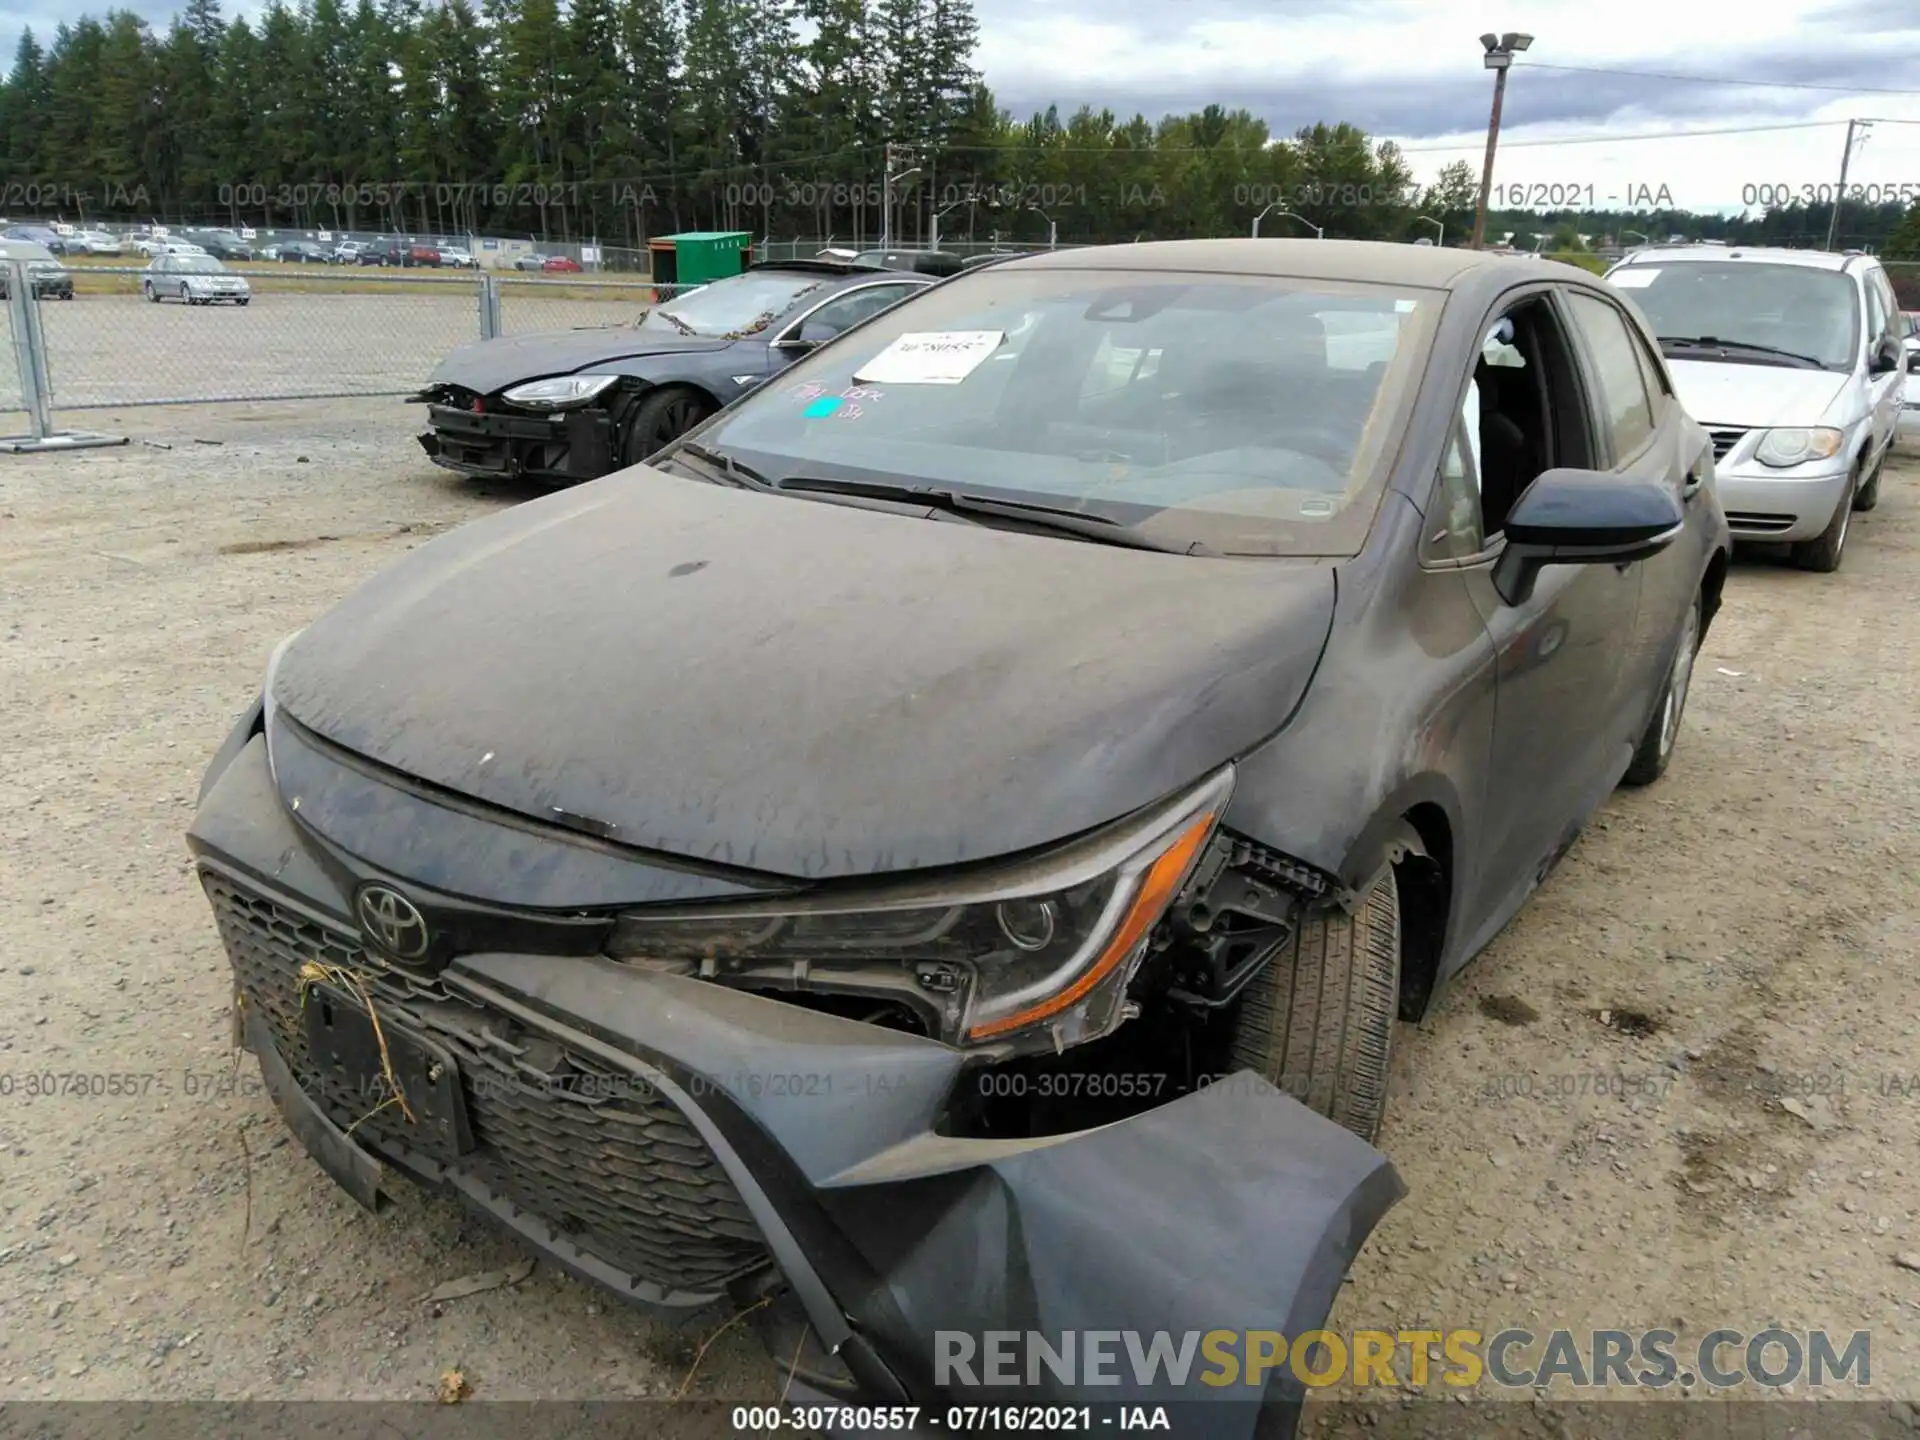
[(392, 922)]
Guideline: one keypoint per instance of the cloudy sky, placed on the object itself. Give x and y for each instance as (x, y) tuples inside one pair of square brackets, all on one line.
[(1410, 70)]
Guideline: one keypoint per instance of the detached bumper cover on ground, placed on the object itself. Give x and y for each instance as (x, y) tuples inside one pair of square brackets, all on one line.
[(672, 1140)]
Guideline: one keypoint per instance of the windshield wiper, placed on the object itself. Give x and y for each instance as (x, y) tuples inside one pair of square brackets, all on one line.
[(672, 319), (1714, 342), (744, 476), (1078, 523)]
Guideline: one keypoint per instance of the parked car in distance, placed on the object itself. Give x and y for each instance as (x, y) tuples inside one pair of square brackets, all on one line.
[(347, 252), (1910, 385), (531, 261), (457, 256), (151, 245), (300, 252), (401, 253), (570, 405), (196, 279), (54, 242), (50, 280), (1794, 362), (224, 246), (970, 708), (920, 262), (96, 242), (560, 265)]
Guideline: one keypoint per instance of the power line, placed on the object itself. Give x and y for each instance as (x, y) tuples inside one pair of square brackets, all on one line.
[(1718, 79), (1626, 139)]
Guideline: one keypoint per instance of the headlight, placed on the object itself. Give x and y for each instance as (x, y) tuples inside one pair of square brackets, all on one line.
[(562, 392), (1033, 953), (1781, 448)]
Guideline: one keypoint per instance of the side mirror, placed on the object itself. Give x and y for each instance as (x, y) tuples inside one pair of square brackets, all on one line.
[(1886, 357), (1583, 517)]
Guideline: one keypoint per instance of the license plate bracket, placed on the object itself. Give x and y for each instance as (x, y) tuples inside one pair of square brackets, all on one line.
[(342, 1039)]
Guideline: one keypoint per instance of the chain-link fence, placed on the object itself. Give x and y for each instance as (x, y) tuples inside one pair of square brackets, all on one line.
[(137, 336)]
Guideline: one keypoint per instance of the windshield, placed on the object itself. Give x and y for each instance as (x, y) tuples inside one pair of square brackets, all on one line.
[(1794, 308), (739, 305), (198, 264), (1250, 416)]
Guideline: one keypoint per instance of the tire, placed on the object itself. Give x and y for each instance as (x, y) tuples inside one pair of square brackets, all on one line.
[(153, 295), (1868, 495), (1318, 1021), (661, 417), (1822, 553), (1655, 751), (241, 303)]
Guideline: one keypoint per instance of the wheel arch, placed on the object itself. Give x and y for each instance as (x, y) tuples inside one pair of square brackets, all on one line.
[(1416, 832)]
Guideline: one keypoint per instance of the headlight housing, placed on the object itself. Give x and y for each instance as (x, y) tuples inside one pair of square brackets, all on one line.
[(561, 392), (1029, 956), (1782, 448)]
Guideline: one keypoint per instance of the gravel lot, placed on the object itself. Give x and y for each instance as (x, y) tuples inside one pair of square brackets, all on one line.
[(107, 350), (1742, 934)]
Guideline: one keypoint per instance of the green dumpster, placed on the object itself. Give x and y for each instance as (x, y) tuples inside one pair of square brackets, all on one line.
[(699, 256)]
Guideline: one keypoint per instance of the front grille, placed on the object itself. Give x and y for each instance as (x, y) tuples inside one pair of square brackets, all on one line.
[(1760, 521), (611, 1166), (1724, 439)]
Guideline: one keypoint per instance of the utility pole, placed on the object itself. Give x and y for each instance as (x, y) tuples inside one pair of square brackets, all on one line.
[(1499, 57), (1840, 193), (899, 165)]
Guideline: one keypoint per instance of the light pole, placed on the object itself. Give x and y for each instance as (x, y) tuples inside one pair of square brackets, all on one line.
[(1053, 230), (1439, 230), (1274, 209), (889, 178), (1840, 194), (1500, 52), (933, 232)]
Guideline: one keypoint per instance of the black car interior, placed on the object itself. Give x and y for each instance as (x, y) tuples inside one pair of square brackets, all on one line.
[(1532, 414)]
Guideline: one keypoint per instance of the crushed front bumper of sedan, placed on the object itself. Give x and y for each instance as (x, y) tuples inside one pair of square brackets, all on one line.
[(680, 1143), (471, 436)]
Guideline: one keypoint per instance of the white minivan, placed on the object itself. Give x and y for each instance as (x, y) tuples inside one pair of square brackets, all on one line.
[(1794, 361)]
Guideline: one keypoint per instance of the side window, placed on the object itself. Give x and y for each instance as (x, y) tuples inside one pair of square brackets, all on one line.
[(849, 310), (1654, 376), (1895, 328), (1877, 318), (1456, 527), (1626, 412)]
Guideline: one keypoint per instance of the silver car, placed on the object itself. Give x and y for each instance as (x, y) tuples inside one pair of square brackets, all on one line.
[(196, 279), (1794, 360)]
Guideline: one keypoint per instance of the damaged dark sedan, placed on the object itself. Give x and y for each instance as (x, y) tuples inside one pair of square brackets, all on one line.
[(563, 406), (944, 847)]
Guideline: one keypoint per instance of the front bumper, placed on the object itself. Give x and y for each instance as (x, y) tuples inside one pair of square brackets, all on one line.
[(567, 446), (1769, 507), (736, 1144)]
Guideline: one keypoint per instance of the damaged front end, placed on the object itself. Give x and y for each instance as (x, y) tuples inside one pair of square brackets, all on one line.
[(881, 1118), (477, 435)]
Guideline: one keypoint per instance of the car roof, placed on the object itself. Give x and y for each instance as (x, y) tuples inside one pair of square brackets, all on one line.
[(1737, 254), (814, 267), (24, 250), (1378, 261)]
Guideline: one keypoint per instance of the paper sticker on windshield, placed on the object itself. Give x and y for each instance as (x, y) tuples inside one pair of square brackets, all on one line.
[(931, 357), (1636, 277)]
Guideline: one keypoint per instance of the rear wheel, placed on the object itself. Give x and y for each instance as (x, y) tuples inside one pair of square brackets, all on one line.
[(661, 417), (1318, 1021), (1822, 554), (151, 293)]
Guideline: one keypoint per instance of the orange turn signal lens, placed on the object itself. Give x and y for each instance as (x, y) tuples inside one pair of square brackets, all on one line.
[(1150, 901)]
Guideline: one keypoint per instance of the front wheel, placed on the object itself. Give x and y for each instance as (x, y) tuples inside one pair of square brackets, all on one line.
[(152, 294), (661, 418), (1655, 751), (1318, 1021), (1822, 553), (240, 302), (1868, 495)]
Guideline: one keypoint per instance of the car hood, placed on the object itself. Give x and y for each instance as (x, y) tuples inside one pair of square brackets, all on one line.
[(1719, 392), (485, 366), (803, 688)]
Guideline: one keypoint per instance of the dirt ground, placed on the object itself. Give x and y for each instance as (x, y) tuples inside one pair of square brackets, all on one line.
[(1591, 1125)]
